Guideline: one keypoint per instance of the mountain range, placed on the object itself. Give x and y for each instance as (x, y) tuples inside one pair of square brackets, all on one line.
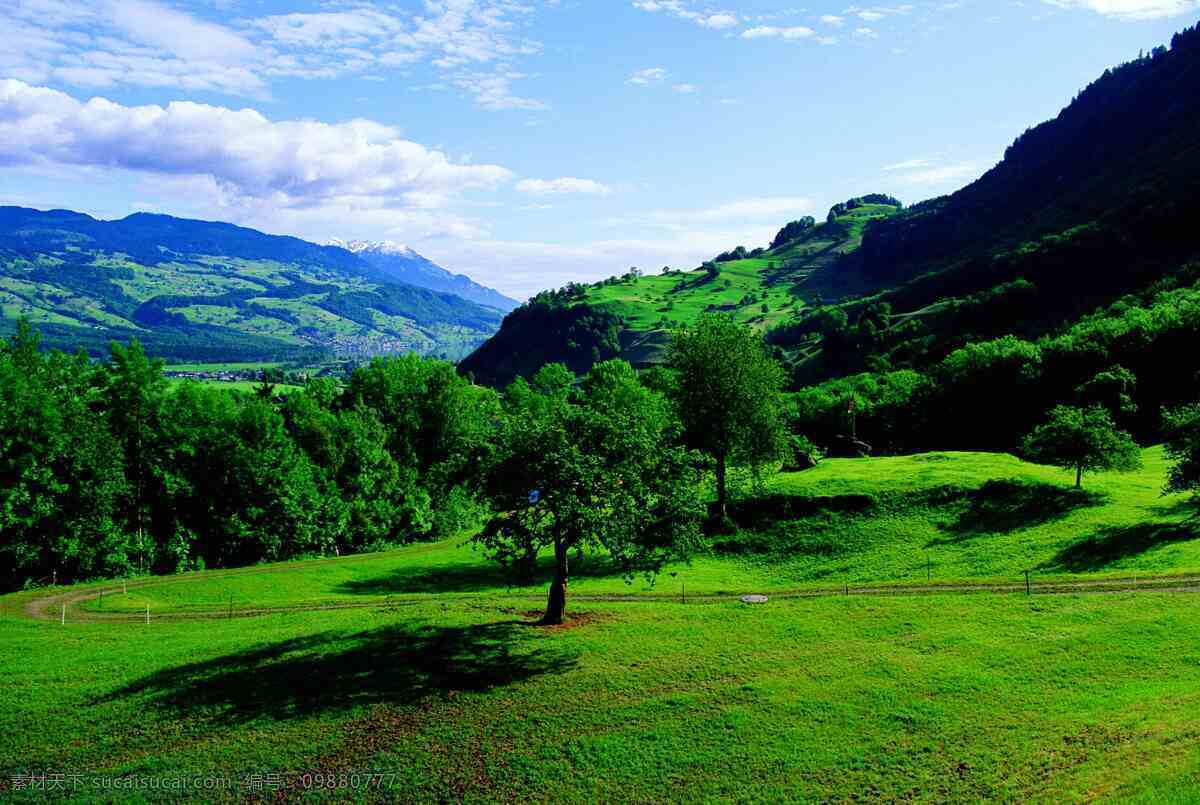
[(197, 290)]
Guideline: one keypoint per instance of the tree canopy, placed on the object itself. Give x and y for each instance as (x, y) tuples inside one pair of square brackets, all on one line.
[(1084, 440), (728, 395), (596, 467)]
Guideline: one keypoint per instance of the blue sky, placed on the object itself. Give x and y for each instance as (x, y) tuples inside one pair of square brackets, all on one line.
[(529, 143)]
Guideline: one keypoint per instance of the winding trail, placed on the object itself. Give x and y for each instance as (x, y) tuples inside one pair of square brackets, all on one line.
[(50, 607)]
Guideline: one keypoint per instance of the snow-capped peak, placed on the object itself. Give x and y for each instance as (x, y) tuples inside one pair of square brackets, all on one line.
[(373, 247)]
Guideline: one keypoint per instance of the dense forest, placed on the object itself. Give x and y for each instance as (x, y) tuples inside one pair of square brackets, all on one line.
[(106, 469)]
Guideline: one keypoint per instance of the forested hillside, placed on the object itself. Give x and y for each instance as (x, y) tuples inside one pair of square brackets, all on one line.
[(194, 290)]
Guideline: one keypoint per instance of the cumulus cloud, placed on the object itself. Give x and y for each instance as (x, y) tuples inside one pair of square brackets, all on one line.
[(244, 155), (564, 186), (1132, 9)]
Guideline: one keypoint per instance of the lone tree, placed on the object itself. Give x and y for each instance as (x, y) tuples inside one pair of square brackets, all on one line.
[(1182, 428), (728, 395), (596, 467), (1084, 440)]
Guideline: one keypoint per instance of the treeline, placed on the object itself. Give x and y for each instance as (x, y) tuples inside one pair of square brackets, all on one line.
[(106, 469)]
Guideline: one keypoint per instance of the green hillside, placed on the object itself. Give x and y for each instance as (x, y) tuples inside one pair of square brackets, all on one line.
[(636, 313), (191, 290)]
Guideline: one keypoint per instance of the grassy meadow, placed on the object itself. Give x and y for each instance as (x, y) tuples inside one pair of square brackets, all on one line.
[(435, 679)]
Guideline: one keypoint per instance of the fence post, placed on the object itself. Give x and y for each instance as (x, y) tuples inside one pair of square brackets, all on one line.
[(102, 599), (1028, 591), (231, 606), (147, 614), (64, 614), (683, 592)]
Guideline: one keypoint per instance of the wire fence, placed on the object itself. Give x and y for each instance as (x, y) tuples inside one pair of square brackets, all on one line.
[(66, 606)]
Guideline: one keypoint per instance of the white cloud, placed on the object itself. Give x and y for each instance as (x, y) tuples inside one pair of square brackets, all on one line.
[(771, 32), (494, 91), (716, 20), (834, 20), (1132, 9), (719, 21), (471, 43), (876, 13), (931, 172), (241, 155), (648, 76), (138, 42), (685, 89), (564, 186), (359, 26), (909, 164)]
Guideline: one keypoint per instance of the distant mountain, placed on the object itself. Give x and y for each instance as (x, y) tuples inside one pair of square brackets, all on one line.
[(398, 263), (199, 290)]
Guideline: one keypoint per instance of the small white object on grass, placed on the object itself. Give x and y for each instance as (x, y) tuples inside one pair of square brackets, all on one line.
[(754, 599)]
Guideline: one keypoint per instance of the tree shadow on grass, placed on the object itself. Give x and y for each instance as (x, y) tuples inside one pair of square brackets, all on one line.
[(335, 671), (1184, 507), (1110, 545), (1001, 507), (462, 578)]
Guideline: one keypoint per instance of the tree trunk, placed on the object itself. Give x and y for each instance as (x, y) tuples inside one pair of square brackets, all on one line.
[(556, 605), (1079, 477), (722, 495)]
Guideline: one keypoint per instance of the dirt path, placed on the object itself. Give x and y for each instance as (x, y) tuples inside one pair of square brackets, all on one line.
[(50, 607)]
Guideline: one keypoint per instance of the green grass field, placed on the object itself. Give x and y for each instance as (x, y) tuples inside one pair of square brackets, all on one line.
[(449, 692)]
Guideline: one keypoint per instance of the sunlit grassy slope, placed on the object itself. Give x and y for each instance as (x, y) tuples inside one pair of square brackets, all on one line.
[(759, 292), (451, 695)]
